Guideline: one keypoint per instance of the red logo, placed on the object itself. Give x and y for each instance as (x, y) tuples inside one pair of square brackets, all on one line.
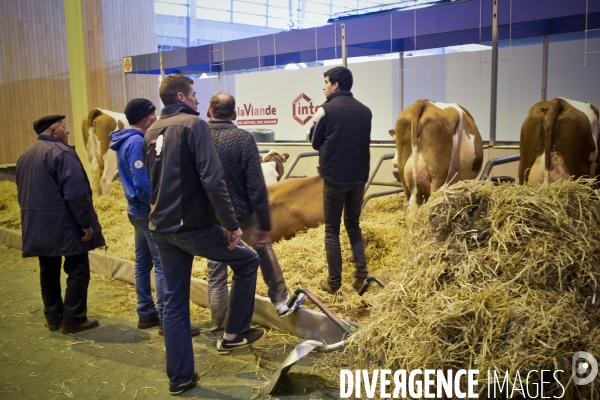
[(303, 109)]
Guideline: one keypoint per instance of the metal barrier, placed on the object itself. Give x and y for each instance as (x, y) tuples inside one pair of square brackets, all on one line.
[(263, 151), (497, 161), (371, 181), (297, 158)]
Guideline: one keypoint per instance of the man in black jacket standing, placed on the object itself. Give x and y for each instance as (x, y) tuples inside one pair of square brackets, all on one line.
[(188, 192), (342, 135), (58, 220)]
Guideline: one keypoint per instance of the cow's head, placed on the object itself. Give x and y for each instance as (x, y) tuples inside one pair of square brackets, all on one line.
[(279, 159)]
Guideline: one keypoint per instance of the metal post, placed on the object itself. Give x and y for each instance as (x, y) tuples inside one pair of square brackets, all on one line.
[(545, 68), (219, 81), (344, 54), (494, 96), (162, 71), (401, 82)]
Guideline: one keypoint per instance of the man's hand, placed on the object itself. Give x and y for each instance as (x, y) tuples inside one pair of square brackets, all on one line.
[(261, 238), (87, 234), (234, 238)]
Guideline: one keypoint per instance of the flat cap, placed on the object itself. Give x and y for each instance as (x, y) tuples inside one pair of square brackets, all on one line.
[(46, 122)]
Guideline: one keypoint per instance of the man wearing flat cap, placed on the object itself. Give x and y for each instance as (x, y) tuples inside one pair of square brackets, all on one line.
[(58, 220), (141, 114)]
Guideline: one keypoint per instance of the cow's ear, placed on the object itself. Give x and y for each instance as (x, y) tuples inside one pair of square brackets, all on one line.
[(285, 156), (392, 132), (120, 124)]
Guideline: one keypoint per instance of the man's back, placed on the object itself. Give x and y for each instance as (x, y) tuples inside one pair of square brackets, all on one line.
[(239, 155), (185, 173), (343, 137)]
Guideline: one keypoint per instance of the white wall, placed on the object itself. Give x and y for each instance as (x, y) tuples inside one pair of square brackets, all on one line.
[(463, 78)]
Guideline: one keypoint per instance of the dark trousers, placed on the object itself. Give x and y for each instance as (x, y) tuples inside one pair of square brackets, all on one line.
[(73, 311), (337, 198), (177, 251)]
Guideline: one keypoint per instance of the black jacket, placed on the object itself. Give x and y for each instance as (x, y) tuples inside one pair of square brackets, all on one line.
[(56, 201), (185, 173), (239, 155), (342, 134)]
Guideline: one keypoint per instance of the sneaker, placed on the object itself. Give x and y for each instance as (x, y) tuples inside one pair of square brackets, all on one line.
[(358, 283), (195, 330), (149, 321), (88, 324), (244, 339), (324, 285), (176, 390), (284, 309), (220, 349)]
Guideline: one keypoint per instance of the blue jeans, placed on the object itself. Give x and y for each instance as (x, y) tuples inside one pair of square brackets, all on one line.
[(146, 256), (218, 294), (337, 198), (177, 251)]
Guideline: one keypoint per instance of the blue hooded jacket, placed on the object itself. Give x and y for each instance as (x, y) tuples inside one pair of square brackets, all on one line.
[(134, 177)]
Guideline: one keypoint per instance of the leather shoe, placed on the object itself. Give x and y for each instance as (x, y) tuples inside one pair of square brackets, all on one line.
[(88, 324), (148, 321), (324, 285), (358, 283), (195, 330), (54, 327)]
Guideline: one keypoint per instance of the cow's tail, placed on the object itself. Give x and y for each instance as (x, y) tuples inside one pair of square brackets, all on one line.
[(94, 113), (415, 130), (554, 109)]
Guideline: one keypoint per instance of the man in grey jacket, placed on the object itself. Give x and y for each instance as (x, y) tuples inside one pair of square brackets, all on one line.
[(239, 155), (58, 220), (188, 192)]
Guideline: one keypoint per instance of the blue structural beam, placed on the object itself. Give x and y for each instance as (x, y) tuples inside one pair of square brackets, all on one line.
[(447, 24)]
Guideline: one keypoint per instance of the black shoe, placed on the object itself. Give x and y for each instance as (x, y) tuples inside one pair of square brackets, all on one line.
[(243, 339), (195, 330), (53, 327), (149, 321), (88, 324), (176, 390)]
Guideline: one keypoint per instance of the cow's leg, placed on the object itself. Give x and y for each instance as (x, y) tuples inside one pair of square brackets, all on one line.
[(333, 205), (352, 209)]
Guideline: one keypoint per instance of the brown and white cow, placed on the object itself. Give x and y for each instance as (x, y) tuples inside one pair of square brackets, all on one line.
[(559, 138), (436, 143), (272, 166), (96, 128), (296, 205)]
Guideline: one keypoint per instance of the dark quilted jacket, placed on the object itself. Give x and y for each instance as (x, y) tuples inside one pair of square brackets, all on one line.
[(243, 175)]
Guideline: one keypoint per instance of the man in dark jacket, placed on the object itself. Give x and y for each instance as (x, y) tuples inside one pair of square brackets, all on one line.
[(58, 220), (342, 135), (238, 153), (188, 192)]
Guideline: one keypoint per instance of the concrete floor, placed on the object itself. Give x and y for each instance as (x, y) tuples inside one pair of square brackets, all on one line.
[(119, 361)]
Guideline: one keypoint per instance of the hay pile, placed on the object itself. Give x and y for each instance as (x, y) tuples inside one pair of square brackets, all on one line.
[(10, 213), (502, 278)]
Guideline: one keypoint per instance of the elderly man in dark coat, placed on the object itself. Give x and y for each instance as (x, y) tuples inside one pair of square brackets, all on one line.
[(58, 220)]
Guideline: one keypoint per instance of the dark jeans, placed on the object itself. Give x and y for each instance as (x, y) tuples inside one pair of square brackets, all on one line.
[(218, 294), (177, 251), (146, 257), (349, 199), (73, 311)]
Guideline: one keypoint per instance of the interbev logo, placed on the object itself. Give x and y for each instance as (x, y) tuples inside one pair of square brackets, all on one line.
[(303, 109)]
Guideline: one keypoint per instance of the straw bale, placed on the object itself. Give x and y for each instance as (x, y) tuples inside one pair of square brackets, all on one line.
[(10, 213), (496, 278)]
